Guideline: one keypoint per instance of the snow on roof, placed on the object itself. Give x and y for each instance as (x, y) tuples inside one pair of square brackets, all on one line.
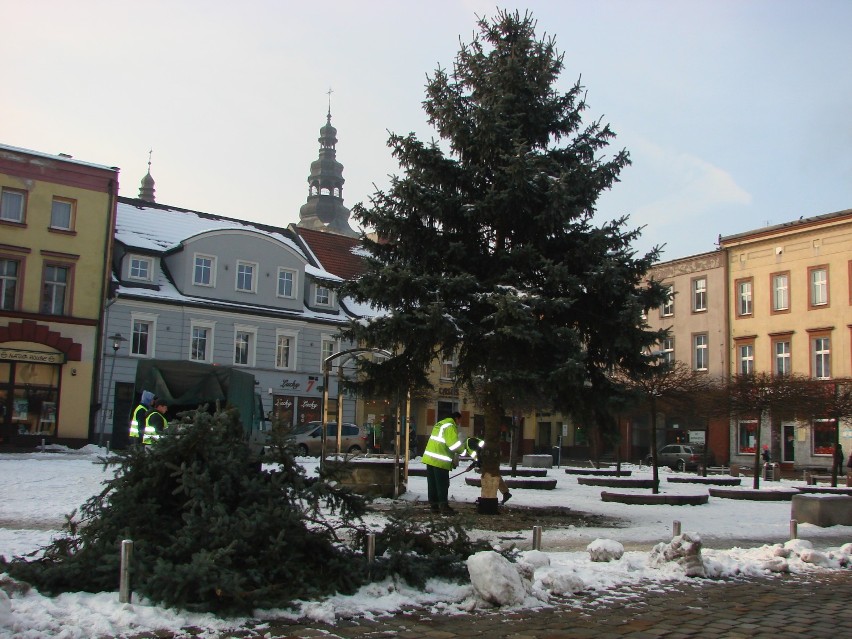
[(155, 227)]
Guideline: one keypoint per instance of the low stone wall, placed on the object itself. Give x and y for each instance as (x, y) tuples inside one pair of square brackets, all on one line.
[(655, 500), (599, 472), (512, 482), (713, 481), (822, 510), (754, 495), (538, 461), (615, 482)]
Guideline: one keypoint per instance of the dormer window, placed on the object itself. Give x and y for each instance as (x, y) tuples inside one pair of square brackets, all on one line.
[(246, 276), (322, 296), (141, 268), (204, 270)]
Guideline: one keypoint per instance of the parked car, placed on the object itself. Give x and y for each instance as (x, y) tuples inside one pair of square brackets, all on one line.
[(678, 457), (308, 438)]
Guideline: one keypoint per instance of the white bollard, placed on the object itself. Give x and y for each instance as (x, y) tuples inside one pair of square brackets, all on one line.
[(794, 529), (676, 528), (124, 593), (536, 542)]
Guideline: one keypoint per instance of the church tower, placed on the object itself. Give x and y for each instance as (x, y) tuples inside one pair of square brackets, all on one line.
[(146, 188), (324, 210)]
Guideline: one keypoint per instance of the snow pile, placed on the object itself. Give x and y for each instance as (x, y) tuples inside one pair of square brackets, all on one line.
[(605, 550), (684, 550)]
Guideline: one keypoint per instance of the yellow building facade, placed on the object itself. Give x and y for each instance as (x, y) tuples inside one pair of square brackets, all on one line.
[(56, 224)]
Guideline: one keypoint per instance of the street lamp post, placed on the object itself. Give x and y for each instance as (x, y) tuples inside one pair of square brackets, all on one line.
[(115, 341)]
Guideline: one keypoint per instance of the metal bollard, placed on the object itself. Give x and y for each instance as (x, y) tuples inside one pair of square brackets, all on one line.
[(124, 593), (676, 528), (536, 542), (794, 529), (371, 547)]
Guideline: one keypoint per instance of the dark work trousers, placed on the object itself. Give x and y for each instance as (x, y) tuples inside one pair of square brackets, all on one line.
[(438, 482)]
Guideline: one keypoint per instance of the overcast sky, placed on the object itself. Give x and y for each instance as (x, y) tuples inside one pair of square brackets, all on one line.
[(736, 113)]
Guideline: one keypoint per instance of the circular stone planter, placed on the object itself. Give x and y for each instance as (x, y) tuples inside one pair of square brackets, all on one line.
[(514, 482), (714, 481), (754, 495), (599, 472), (655, 500), (420, 471), (615, 482)]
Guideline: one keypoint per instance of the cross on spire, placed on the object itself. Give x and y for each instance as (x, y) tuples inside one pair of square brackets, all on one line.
[(329, 102)]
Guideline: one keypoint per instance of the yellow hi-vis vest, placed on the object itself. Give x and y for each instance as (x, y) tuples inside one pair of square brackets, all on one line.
[(443, 444), (472, 446), (155, 424), (137, 419)]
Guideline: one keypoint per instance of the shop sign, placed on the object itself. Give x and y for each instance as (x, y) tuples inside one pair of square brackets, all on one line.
[(32, 357)]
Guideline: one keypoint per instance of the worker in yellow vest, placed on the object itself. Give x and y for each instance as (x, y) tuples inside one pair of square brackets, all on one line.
[(440, 456)]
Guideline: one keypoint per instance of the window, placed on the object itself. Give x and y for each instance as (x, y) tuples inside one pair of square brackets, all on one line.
[(142, 335), (700, 355), (744, 297), (246, 280), (201, 341), (668, 350), (244, 341), (204, 272), (823, 439), (448, 367), (781, 357), (780, 292), (12, 205), (699, 294), (818, 280), (746, 437), (821, 357), (322, 296), (668, 306), (746, 359), (286, 282), (285, 350), (62, 214), (329, 347), (9, 270), (54, 296), (141, 268)]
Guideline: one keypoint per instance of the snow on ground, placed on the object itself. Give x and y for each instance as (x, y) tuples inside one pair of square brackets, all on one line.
[(740, 537)]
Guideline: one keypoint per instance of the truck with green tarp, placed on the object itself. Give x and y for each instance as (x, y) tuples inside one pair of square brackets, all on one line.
[(187, 385)]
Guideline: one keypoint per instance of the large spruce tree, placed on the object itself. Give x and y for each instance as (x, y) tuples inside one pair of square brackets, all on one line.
[(486, 246)]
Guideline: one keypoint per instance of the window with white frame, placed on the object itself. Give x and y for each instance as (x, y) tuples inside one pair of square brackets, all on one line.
[(746, 359), (780, 292), (204, 270), (12, 207), (9, 273), (142, 331), (245, 338), (141, 268), (285, 350), (448, 367), (781, 353), (819, 286), (744, 297), (201, 341), (286, 283), (54, 297), (322, 295), (821, 357), (329, 347), (699, 294), (246, 276), (700, 358), (668, 350), (668, 305), (62, 214)]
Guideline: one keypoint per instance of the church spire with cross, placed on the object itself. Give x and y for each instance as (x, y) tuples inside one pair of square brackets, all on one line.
[(146, 189), (324, 210)]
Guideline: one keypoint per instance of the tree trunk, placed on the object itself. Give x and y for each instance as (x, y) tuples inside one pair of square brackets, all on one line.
[(655, 473), (494, 413), (756, 479)]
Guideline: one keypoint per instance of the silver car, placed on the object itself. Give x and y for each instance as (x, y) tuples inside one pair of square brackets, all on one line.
[(677, 457), (308, 438)]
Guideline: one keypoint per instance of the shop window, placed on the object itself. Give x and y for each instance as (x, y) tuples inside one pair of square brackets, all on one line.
[(823, 439), (34, 393), (746, 436)]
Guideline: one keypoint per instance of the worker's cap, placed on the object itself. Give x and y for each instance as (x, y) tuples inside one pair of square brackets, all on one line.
[(456, 414)]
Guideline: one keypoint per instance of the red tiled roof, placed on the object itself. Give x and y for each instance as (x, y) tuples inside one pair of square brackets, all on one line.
[(336, 253)]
